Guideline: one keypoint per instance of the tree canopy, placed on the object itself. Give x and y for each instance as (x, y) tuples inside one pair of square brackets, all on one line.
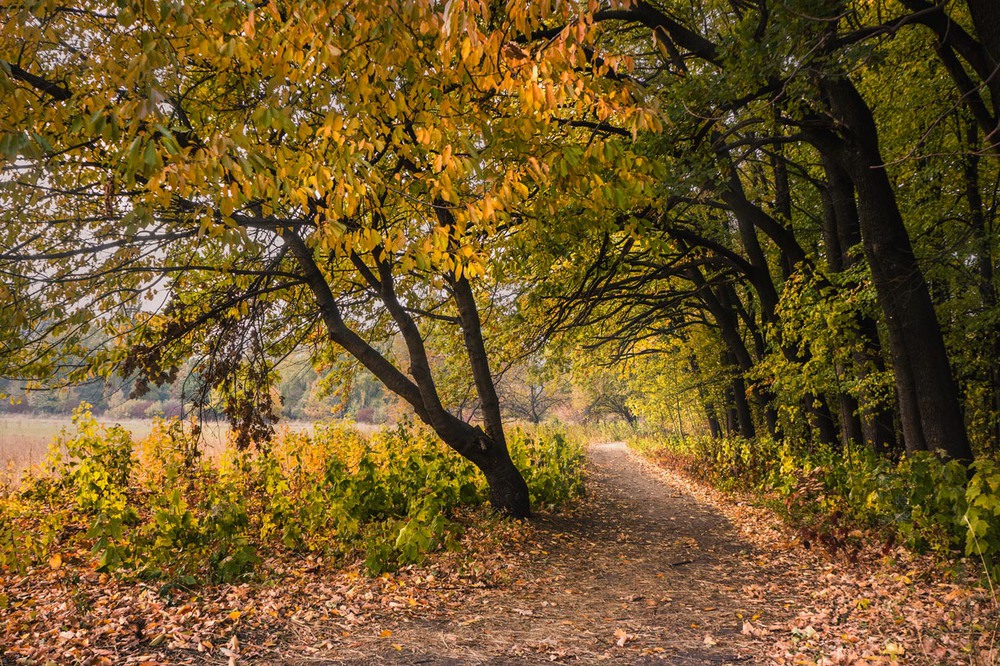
[(783, 213)]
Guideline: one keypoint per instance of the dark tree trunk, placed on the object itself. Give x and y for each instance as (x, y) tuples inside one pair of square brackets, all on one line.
[(986, 21), (508, 491), (821, 419), (981, 52), (928, 396), (985, 280), (744, 416), (713, 420), (732, 420), (751, 218), (851, 429), (737, 355), (842, 234)]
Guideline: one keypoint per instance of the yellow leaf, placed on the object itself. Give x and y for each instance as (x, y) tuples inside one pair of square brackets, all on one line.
[(234, 615), (385, 633), (894, 649), (55, 561)]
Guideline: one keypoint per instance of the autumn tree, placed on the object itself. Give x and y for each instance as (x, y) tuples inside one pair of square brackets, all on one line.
[(231, 181), (791, 177)]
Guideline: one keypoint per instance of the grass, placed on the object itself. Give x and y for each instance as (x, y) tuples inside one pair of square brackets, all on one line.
[(25, 440)]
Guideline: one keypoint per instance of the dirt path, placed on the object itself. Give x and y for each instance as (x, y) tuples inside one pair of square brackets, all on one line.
[(647, 570), (645, 574)]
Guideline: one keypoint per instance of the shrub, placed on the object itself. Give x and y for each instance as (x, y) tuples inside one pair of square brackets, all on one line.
[(159, 510), (921, 501)]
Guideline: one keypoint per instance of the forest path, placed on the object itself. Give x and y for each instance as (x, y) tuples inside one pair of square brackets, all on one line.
[(643, 573)]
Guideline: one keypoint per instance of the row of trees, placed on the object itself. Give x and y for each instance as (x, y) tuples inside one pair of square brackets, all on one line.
[(787, 209), (796, 168), (530, 392)]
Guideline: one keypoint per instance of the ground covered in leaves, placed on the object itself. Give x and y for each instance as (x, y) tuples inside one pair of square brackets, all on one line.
[(650, 568)]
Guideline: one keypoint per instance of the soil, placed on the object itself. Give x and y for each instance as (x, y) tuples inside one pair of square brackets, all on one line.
[(643, 573)]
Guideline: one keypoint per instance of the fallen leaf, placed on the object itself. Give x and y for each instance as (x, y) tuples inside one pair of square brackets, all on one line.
[(622, 637), (750, 629), (894, 649)]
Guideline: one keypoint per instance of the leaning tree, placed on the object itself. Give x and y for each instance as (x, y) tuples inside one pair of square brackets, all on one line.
[(229, 181)]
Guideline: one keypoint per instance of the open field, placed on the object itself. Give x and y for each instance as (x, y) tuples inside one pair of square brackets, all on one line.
[(25, 440)]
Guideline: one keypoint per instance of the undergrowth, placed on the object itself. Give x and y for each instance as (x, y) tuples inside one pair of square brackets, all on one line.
[(841, 497), (156, 509)]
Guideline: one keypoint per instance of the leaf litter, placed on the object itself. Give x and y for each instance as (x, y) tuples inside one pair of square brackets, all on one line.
[(651, 567)]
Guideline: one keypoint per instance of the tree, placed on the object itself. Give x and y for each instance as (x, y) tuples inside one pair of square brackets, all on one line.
[(261, 176), (791, 154), (401, 182), (531, 389)]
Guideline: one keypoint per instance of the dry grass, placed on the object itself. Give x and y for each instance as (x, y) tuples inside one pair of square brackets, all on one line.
[(25, 440)]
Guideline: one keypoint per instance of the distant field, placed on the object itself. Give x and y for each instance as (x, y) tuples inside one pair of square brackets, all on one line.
[(24, 440)]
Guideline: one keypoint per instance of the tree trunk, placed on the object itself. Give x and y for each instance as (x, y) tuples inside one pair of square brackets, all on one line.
[(986, 22), (737, 355), (985, 281), (713, 420), (821, 419), (714, 428), (928, 396), (744, 416), (842, 233), (508, 492)]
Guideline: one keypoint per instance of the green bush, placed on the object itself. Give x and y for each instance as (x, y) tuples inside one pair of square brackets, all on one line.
[(159, 510), (921, 501)]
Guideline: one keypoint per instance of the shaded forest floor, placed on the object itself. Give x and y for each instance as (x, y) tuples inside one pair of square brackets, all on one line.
[(649, 569)]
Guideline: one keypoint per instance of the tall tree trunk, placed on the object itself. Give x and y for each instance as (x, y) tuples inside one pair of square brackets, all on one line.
[(751, 218), (714, 428), (713, 420), (981, 233), (842, 233), (928, 396), (744, 416), (737, 354), (986, 21), (508, 491)]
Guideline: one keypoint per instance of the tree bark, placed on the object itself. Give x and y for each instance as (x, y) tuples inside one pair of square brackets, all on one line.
[(508, 491), (842, 233), (710, 415), (986, 21), (928, 396), (985, 280)]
